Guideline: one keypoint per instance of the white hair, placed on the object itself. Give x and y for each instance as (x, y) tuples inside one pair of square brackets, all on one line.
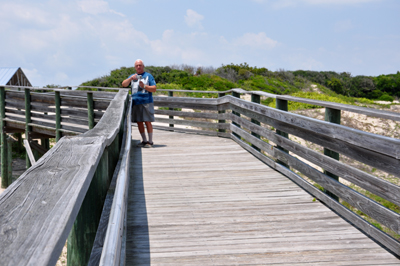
[(139, 60)]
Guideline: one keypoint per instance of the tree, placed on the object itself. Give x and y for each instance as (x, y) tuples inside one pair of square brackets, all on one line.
[(336, 85)]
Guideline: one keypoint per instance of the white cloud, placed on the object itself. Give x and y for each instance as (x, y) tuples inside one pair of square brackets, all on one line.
[(180, 47), (253, 40), (57, 38), (95, 7), (193, 19)]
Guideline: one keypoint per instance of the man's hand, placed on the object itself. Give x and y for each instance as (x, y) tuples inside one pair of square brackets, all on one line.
[(141, 84)]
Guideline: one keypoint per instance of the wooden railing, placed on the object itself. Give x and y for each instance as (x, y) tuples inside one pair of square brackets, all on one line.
[(62, 195), (40, 209), (254, 127), (42, 113)]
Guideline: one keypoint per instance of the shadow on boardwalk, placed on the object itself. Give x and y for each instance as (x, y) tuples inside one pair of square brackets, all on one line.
[(138, 243)]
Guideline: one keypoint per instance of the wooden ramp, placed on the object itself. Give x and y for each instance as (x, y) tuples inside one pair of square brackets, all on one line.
[(198, 200)]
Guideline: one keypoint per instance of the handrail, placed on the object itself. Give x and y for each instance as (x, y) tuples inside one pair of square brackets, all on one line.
[(113, 240), (338, 106), (38, 210)]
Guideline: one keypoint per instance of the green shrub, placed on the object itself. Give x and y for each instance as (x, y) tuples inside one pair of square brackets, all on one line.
[(386, 97)]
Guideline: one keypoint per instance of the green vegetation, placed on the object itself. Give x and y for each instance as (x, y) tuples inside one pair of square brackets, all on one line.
[(358, 86), (331, 86)]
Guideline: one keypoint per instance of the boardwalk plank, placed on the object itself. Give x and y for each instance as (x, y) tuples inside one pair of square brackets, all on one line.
[(198, 200)]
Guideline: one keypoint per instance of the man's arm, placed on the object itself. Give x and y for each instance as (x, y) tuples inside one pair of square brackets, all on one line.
[(151, 88), (127, 82)]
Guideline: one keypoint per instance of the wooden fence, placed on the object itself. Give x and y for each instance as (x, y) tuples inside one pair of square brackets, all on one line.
[(62, 195), (255, 127), (44, 114)]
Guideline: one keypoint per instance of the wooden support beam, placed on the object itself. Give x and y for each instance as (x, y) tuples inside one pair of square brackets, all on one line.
[(58, 115), (29, 152), (13, 130), (221, 112), (171, 94), (20, 144), (83, 233), (237, 95), (282, 105), (34, 145), (90, 110), (28, 129), (255, 99), (9, 160), (333, 116), (4, 170)]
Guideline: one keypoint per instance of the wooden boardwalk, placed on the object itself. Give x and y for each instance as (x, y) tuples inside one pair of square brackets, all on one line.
[(198, 200)]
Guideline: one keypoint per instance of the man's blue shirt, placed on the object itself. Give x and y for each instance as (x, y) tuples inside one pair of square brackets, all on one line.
[(143, 96)]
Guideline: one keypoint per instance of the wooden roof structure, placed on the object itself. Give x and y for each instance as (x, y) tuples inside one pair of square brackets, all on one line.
[(13, 76)]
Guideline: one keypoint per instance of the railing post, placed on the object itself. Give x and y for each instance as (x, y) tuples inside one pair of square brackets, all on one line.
[(4, 170), (27, 121), (255, 99), (90, 107), (19, 145), (282, 105), (45, 143), (83, 233), (221, 112), (171, 94), (58, 114), (9, 161), (237, 95), (333, 116)]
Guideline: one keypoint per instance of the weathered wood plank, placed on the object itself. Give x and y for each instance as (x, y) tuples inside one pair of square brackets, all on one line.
[(96, 94), (360, 223), (100, 104), (80, 113), (369, 207), (190, 204), (74, 102), (359, 153), (345, 107), (103, 231), (42, 107), (379, 144), (192, 114), (193, 123), (367, 181), (195, 131), (38, 210), (43, 98), (15, 104), (14, 111)]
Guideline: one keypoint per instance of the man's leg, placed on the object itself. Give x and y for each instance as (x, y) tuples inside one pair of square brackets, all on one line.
[(149, 127), (141, 131)]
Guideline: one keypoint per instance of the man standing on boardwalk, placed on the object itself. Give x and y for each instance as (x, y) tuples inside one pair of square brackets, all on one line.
[(143, 85)]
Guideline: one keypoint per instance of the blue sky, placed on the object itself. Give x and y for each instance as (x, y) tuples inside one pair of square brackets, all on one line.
[(70, 42)]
